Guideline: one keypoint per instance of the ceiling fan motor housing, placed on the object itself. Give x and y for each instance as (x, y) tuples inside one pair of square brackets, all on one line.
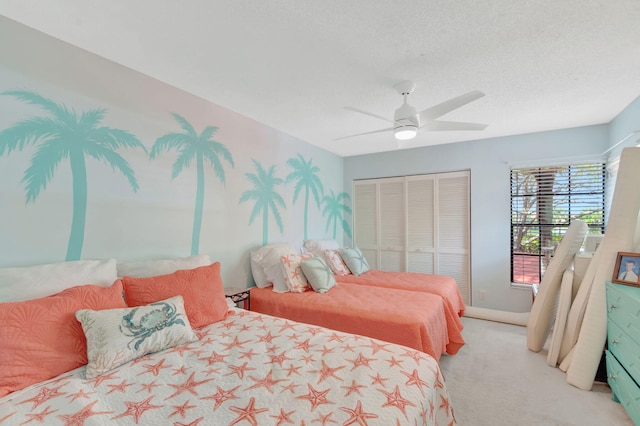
[(406, 115)]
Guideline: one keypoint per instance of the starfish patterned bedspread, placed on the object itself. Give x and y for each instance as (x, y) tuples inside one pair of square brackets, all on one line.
[(249, 369)]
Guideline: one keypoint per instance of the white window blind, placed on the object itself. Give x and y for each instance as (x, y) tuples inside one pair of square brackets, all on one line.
[(544, 202)]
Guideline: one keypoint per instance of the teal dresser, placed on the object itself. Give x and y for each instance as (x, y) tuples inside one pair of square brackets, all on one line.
[(623, 341)]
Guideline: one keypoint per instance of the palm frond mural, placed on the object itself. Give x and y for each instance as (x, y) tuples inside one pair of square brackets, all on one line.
[(334, 208), (265, 196), (66, 134), (304, 174), (190, 145)]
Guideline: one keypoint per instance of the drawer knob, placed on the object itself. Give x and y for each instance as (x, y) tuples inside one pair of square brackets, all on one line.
[(614, 341), (611, 306), (612, 377)]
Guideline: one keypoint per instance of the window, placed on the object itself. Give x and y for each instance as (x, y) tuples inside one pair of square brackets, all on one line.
[(544, 201)]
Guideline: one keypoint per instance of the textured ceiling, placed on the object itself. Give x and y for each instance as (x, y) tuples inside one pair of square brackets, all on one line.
[(294, 65)]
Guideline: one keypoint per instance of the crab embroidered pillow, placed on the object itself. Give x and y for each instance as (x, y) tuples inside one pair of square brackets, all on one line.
[(335, 262), (293, 275), (117, 336)]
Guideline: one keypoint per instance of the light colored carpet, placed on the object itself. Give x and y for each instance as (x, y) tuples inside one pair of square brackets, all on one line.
[(495, 380)]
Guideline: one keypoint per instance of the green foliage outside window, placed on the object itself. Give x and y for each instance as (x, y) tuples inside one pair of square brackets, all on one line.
[(544, 202)]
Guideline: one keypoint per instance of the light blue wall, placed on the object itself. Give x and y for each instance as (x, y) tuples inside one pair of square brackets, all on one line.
[(626, 122), (624, 131), (157, 220), (489, 161), (145, 213)]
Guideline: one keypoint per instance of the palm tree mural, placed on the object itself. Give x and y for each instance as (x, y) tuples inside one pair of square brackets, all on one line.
[(264, 194), (67, 134), (190, 146), (305, 175), (334, 208)]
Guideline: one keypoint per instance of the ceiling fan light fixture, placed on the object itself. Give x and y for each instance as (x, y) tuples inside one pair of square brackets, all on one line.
[(407, 132), (406, 121)]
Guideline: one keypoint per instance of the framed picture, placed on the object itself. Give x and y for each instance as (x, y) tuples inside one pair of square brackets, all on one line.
[(627, 269)]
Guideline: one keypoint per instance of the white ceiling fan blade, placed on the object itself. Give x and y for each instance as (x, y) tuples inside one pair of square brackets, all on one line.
[(370, 114), (448, 106), (366, 133), (452, 125)]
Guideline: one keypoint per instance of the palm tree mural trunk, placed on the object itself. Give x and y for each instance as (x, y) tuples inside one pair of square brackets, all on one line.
[(265, 226), (335, 225), (197, 215), (79, 176)]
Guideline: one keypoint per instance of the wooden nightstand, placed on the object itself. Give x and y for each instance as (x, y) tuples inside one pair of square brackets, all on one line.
[(238, 295)]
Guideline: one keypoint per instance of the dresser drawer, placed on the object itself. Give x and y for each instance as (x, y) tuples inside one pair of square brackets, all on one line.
[(626, 350), (624, 388), (623, 308)]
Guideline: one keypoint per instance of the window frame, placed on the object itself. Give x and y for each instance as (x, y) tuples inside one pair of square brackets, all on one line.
[(597, 172)]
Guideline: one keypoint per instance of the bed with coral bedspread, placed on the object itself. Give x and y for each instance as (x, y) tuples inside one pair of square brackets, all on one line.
[(417, 320), (441, 285), (248, 369)]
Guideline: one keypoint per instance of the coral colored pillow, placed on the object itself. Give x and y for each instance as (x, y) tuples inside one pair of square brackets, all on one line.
[(42, 339), (201, 289)]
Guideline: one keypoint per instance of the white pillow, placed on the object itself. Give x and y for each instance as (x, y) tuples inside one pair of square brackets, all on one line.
[(259, 276), (152, 268), (276, 276), (32, 282), (317, 247), (117, 336), (263, 259)]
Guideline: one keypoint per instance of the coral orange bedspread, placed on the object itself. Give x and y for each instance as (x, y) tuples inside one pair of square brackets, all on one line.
[(414, 319), (441, 285)]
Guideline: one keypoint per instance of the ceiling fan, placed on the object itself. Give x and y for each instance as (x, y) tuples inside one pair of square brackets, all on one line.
[(406, 121)]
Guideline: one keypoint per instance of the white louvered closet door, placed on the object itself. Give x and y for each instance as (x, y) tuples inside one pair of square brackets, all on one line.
[(453, 239), (392, 225), (421, 224), (416, 224), (365, 203)]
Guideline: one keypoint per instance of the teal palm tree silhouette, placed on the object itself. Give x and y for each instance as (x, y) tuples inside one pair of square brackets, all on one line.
[(334, 209), (264, 194), (305, 175), (67, 134), (192, 146)]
